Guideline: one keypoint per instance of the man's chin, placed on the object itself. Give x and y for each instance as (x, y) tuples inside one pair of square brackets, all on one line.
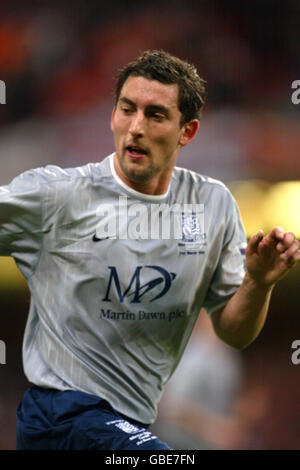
[(138, 176), (136, 172)]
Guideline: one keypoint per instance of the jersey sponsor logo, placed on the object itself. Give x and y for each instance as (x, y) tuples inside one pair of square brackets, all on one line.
[(109, 314), (136, 289)]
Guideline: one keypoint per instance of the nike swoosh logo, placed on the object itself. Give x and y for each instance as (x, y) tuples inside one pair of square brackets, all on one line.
[(96, 239)]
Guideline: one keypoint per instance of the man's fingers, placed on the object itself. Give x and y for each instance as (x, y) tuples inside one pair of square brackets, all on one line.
[(270, 241), (276, 235), (255, 240), (291, 252), (286, 242), (292, 260)]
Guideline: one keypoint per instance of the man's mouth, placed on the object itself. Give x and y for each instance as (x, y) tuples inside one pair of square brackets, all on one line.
[(136, 151)]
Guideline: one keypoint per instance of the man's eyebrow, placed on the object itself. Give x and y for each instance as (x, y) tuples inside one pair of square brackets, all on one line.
[(127, 101), (150, 107), (158, 108)]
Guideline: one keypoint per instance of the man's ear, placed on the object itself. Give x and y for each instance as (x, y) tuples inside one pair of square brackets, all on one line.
[(112, 118), (188, 132)]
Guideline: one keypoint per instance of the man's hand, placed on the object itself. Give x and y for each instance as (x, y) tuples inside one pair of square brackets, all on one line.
[(269, 258)]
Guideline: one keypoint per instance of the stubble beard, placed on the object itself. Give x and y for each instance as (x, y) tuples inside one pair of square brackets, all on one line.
[(139, 175)]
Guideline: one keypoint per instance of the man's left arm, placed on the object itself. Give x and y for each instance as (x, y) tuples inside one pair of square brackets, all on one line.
[(268, 259)]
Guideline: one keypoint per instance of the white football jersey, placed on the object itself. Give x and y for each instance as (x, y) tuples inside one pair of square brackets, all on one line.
[(111, 310)]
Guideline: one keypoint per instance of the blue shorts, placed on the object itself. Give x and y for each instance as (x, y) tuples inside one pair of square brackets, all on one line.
[(49, 419)]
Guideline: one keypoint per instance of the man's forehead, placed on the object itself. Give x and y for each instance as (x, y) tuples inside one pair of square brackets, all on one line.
[(150, 92)]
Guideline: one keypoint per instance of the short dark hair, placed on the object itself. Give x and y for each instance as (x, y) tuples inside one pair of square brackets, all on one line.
[(166, 68)]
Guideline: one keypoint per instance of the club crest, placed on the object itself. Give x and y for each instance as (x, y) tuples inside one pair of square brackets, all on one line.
[(193, 239)]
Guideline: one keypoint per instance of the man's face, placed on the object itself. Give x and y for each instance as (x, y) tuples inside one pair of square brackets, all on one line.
[(146, 127)]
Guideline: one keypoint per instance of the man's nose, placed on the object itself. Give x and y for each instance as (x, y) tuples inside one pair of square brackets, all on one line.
[(137, 124)]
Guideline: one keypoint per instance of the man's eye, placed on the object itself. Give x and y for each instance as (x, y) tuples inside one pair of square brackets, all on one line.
[(158, 117), (126, 110)]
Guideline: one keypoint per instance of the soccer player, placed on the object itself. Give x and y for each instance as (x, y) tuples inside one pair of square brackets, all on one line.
[(114, 293)]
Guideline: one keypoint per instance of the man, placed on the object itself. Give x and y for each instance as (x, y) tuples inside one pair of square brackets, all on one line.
[(112, 307)]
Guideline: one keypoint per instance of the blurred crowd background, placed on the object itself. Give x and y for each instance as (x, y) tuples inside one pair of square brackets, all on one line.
[(58, 60)]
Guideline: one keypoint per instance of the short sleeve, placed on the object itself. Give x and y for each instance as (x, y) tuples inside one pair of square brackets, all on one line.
[(231, 265), (21, 220)]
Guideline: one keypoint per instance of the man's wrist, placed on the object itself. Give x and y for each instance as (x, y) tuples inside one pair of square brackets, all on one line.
[(253, 284)]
